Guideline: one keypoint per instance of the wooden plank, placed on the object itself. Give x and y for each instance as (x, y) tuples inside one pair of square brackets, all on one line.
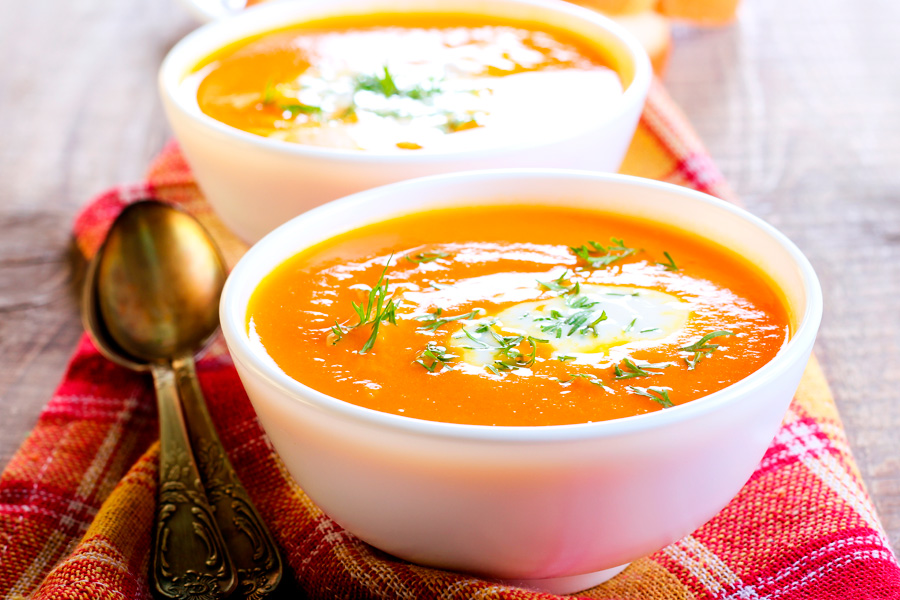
[(79, 112), (797, 104)]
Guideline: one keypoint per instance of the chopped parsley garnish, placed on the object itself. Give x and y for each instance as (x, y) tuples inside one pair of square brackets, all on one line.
[(506, 348), (337, 332), (269, 93), (421, 93), (581, 302), (658, 394), (564, 358), (557, 284), (633, 369), (381, 84), (426, 257), (589, 377), (480, 345), (456, 123), (385, 85), (435, 320), (434, 357), (555, 326), (509, 356), (581, 321), (596, 255), (630, 326), (379, 308), (670, 265), (702, 348), (296, 109), (572, 292)]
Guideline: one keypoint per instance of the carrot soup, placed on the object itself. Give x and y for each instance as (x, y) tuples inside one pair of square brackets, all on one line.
[(535, 315), (402, 82)]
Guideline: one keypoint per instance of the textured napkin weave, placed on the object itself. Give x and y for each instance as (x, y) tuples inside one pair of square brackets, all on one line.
[(76, 501)]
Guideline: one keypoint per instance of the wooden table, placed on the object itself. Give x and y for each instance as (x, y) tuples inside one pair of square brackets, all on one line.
[(798, 104)]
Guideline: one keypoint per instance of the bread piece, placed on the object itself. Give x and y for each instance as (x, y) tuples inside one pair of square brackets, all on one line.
[(654, 33), (618, 7), (703, 12)]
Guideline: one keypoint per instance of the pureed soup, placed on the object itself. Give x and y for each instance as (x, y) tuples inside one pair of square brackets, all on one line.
[(524, 315), (401, 82)]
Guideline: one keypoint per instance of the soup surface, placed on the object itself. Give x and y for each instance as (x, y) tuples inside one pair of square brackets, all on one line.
[(524, 316), (406, 82)]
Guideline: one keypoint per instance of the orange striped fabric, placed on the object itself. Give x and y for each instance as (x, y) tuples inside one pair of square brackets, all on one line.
[(76, 501)]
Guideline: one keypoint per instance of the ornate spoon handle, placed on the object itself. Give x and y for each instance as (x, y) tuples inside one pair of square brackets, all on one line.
[(189, 558), (250, 545)]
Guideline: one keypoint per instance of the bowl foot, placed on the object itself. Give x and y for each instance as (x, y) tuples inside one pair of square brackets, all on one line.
[(567, 585)]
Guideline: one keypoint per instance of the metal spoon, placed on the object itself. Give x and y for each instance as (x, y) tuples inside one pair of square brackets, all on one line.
[(150, 302)]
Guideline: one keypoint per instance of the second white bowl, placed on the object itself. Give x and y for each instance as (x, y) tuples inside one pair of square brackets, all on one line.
[(256, 183)]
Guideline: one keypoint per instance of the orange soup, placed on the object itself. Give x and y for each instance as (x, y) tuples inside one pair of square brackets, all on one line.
[(526, 315), (401, 82)]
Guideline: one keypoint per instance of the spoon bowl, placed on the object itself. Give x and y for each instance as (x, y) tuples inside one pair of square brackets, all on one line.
[(161, 277)]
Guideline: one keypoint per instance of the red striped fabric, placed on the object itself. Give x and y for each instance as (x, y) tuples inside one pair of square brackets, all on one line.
[(76, 501)]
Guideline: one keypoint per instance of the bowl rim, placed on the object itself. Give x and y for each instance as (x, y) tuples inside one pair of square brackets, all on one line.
[(233, 326), (277, 14)]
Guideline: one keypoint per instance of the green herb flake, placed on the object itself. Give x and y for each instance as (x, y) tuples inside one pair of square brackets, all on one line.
[(435, 357), (379, 309), (581, 302), (596, 255), (426, 257), (658, 394), (557, 284), (337, 333), (634, 294), (380, 84), (670, 264), (702, 348), (435, 320), (632, 370), (269, 93), (589, 377), (297, 109), (554, 328), (456, 123), (507, 355), (638, 369), (480, 344), (581, 321)]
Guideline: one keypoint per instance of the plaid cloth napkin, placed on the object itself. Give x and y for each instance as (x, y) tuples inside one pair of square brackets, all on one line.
[(76, 501)]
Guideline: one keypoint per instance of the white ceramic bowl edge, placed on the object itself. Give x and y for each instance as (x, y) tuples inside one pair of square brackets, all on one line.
[(255, 183)]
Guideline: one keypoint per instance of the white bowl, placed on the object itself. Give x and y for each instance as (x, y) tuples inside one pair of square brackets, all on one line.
[(256, 183), (558, 508)]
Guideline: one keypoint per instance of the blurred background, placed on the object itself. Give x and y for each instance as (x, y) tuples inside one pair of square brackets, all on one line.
[(797, 102)]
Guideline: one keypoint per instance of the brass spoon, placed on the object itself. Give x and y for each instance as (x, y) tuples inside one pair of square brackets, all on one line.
[(150, 302)]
